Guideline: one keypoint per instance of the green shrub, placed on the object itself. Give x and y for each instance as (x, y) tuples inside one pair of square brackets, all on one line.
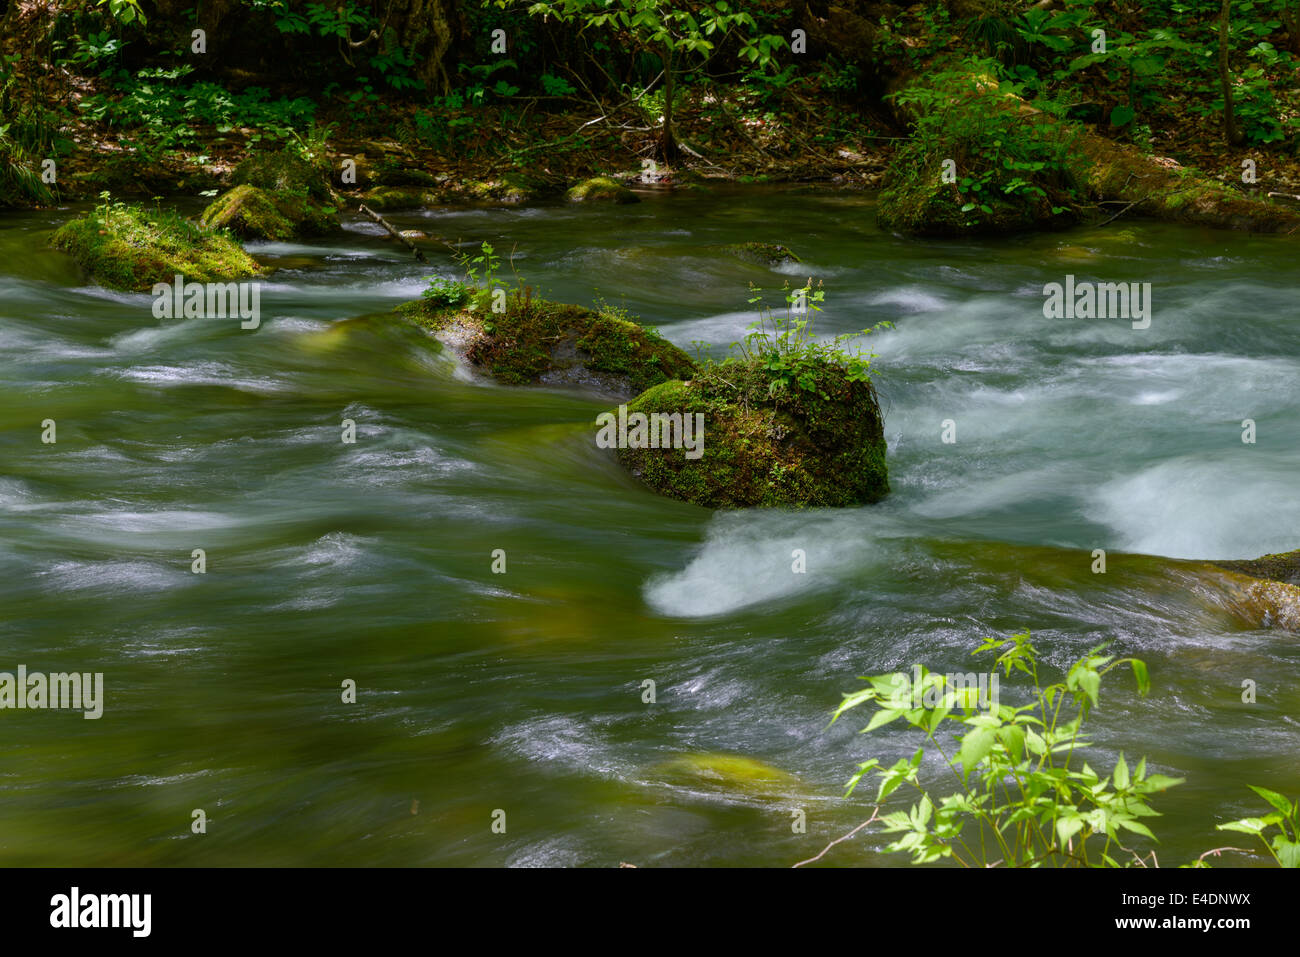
[(1021, 798)]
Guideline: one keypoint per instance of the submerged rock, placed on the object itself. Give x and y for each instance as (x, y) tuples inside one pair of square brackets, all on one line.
[(549, 343), (728, 772), (601, 189), (765, 254), (764, 443), (131, 248), (254, 213)]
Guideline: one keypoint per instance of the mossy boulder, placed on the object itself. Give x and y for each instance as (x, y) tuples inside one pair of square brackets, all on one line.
[(766, 443), (764, 254), (601, 189), (282, 171), (256, 214), (540, 342), (131, 248)]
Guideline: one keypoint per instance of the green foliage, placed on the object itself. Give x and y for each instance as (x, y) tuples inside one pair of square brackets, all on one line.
[(447, 292), (475, 291), (783, 344), (1284, 843), (1021, 798), (656, 24), (1013, 164), (165, 111), (124, 11), (556, 85)]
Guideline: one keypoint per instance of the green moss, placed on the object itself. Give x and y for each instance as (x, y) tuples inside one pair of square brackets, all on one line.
[(601, 189), (728, 772), (1282, 567), (127, 247), (253, 213), (766, 445), (282, 171), (535, 340), (401, 197), (765, 254), (921, 204)]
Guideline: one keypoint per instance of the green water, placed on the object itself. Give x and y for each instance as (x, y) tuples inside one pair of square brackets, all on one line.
[(523, 691)]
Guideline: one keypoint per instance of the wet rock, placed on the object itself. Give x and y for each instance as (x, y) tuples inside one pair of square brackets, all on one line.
[(540, 342)]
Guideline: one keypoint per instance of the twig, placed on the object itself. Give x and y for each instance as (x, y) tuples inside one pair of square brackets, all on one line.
[(874, 815), (394, 233)]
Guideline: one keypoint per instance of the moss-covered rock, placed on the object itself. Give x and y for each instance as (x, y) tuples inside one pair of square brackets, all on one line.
[(127, 247), (765, 443), (765, 254), (601, 189), (509, 190), (255, 214), (537, 341), (1281, 567), (383, 198), (282, 171), (1161, 188)]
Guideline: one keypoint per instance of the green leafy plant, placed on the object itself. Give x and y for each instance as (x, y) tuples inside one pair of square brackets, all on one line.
[(1284, 843), (1012, 160), (781, 340), (447, 292), (1021, 799)]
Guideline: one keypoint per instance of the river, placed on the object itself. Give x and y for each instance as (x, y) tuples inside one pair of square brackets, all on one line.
[(523, 692)]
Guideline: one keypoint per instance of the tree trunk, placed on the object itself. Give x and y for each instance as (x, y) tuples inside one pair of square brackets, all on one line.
[(427, 28), (1230, 131), (667, 151)]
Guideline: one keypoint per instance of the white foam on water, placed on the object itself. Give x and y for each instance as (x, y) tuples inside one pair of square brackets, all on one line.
[(747, 559), (1197, 507), (910, 299), (198, 373), (119, 577)]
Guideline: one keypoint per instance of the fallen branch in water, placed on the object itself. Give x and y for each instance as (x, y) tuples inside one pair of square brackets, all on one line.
[(375, 217), (874, 814)]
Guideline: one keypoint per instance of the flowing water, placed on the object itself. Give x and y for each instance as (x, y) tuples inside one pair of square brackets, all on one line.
[(522, 691)]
